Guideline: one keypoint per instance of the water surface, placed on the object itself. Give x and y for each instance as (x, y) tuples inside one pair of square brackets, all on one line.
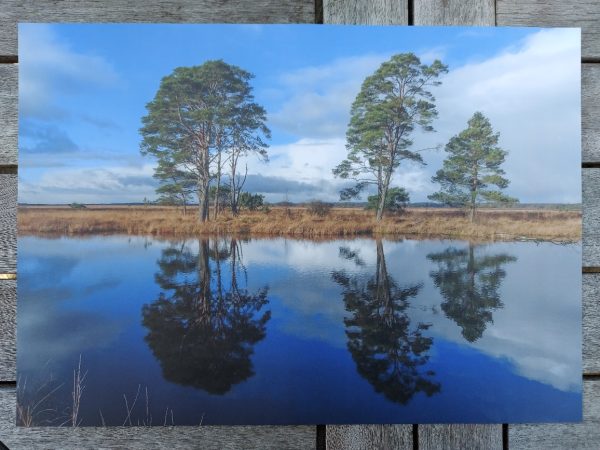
[(282, 331)]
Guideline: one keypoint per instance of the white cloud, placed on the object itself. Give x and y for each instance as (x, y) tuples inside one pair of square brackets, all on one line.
[(322, 95), (50, 68), (531, 96), (90, 185), (530, 92), (306, 161)]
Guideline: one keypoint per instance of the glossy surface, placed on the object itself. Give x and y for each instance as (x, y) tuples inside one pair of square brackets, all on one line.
[(283, 331)]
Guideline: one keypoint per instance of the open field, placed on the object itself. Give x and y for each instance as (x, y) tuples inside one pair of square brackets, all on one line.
[(491, 224)]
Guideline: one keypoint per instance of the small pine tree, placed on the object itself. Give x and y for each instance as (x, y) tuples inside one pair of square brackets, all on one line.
[(472, 168)]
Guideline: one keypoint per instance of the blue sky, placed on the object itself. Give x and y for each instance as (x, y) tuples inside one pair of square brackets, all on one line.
[(83, 91)]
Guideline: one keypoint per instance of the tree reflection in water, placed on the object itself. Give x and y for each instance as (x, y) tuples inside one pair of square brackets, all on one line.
[(469, 285), (386, 350), (203, 326)]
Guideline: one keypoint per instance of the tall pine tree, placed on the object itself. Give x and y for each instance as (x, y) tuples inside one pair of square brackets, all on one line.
[(471, 173), (391, 104)]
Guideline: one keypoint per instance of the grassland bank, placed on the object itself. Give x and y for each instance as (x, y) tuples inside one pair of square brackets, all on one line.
[(491, 224)]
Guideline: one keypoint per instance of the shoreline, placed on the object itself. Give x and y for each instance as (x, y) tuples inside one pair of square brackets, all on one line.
[(492, 225)]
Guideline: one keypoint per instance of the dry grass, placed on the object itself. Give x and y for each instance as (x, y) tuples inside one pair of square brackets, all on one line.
[(298, 222)]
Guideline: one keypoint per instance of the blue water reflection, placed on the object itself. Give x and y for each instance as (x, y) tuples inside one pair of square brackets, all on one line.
[(283, 331)]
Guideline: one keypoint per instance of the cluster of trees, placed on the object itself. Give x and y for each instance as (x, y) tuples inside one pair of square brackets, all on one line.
[(395, 101), (201, 124)]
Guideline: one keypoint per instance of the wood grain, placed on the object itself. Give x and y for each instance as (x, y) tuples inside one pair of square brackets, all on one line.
[(205, 437), (582, 436), (454, 12), (8, 222), (434, 437), (367, 437), (591, 217), (372, 12), (161, 11), (8, 347), (555, 13), (8, 113), (591, 324), (590, 111)]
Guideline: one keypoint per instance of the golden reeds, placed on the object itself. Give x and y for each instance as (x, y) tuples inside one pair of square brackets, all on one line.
[(491, 224)]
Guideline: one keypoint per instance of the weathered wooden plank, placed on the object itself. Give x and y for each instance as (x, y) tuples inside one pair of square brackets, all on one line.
[(454, 12), (8, 221), (591, 323), (355, 437), (582, 436), (434, 437), (161, 11), (8, 113), (205, 437), (590, 112), (591, 217), (8, 348), (373, 12), (555, 13)]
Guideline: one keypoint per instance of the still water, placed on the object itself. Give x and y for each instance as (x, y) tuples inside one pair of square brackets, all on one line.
[(283, 331)]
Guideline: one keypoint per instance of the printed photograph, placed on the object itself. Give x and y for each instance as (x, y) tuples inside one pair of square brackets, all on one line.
[(298, 224)]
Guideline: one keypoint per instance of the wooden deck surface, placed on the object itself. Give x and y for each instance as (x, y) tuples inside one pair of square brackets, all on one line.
[(571, 13)]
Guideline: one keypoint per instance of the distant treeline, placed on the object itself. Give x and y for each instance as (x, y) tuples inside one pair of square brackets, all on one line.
[(521, 206)]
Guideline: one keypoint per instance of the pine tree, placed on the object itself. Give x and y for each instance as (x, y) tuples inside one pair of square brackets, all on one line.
[(198, 114), (392, 102), (472, 168)]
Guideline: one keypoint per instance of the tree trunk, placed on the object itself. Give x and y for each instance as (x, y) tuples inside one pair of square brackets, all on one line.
[(216, 211), (204, 182), (380, 206), (235, 197), (382, 195), (472, 211), (203, 202), (474, 192)]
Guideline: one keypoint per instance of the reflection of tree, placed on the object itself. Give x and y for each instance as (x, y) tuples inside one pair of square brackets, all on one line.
[(469, 285), (203, 327), (387, 352)]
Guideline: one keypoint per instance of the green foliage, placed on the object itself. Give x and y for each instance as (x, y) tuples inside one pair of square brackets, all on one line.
[(76, 205), (395, 202), (177, 186), (391, 104), (473, 168), (319, 208), (224, 194), (251, 201), (197, 113)]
